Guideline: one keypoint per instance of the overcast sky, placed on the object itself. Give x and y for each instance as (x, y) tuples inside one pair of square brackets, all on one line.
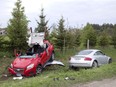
[(75, 12)]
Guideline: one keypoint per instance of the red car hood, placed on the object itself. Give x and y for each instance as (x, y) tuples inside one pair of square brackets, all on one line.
[(22, 62)]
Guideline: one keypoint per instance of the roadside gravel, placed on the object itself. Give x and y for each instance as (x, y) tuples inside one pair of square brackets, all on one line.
[(103, 83)]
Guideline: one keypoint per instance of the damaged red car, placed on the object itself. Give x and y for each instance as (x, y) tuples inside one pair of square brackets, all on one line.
[(33, 61)]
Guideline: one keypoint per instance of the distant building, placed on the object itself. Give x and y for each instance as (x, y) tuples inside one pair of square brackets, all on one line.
[(2, 31), (29, 31)]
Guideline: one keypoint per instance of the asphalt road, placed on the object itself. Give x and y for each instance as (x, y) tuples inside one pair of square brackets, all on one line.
[(103, 83)]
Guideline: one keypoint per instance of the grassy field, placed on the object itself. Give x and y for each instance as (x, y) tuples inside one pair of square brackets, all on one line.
[(58, 76)]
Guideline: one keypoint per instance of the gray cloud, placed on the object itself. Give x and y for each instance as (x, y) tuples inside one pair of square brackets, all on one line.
[(77, 12)]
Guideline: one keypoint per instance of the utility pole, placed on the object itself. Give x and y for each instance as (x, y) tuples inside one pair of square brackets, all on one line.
[(88, 44)]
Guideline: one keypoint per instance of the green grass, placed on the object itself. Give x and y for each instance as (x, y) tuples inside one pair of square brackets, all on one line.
[(5, 60), (46, 79), (49, 75), (4, 54)]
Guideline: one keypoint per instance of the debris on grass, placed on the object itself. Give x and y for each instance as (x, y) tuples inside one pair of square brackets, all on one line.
[(19, 78), (56, 79), (69, 78)]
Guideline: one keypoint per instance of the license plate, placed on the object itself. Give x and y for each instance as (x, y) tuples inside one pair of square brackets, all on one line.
[(18, 74), (78, 58)]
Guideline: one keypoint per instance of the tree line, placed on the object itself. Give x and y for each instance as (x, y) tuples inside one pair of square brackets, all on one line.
[(104, 35), (61, 36)]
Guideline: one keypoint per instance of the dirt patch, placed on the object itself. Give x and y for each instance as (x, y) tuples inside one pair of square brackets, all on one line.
[(3, 78), (103, 83)]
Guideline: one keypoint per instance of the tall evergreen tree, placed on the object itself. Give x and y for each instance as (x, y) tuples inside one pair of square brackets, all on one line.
[(77, 37), (89, 34), (61, 34), (42, 24), (17, 27), (72, 38)]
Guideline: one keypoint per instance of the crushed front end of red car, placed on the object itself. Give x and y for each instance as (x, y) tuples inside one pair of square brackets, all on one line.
[(24, 65), (22, 71)]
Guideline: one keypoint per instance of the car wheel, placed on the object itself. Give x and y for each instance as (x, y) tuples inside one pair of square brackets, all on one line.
[(39, 69), (110, 61), (52, 57), (95, 64)]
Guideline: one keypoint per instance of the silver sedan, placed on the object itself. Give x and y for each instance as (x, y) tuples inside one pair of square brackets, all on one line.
[(89, 58)]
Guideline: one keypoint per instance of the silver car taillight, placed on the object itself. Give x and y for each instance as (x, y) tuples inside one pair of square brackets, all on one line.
[(87, 59)]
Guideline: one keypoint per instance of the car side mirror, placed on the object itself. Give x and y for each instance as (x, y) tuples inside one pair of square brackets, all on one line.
[(17, 53)]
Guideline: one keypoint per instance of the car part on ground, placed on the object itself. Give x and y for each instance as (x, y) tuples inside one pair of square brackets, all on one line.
[(54, 63)]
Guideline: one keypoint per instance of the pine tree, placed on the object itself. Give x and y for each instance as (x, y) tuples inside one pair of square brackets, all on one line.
[(17, 27), (61, 34), (42, 24), (89, 34)]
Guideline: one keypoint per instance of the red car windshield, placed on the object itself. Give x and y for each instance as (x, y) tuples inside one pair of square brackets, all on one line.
[(28, 56)]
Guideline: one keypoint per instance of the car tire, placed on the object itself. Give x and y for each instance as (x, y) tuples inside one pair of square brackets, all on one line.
[(39, 69), (95, 64), (52, 57), (110, 61)]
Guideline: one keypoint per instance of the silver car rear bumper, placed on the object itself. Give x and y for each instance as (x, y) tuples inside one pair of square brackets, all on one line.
[(80, 64)]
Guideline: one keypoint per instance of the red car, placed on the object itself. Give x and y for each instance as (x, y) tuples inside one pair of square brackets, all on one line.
[(33, 61)]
